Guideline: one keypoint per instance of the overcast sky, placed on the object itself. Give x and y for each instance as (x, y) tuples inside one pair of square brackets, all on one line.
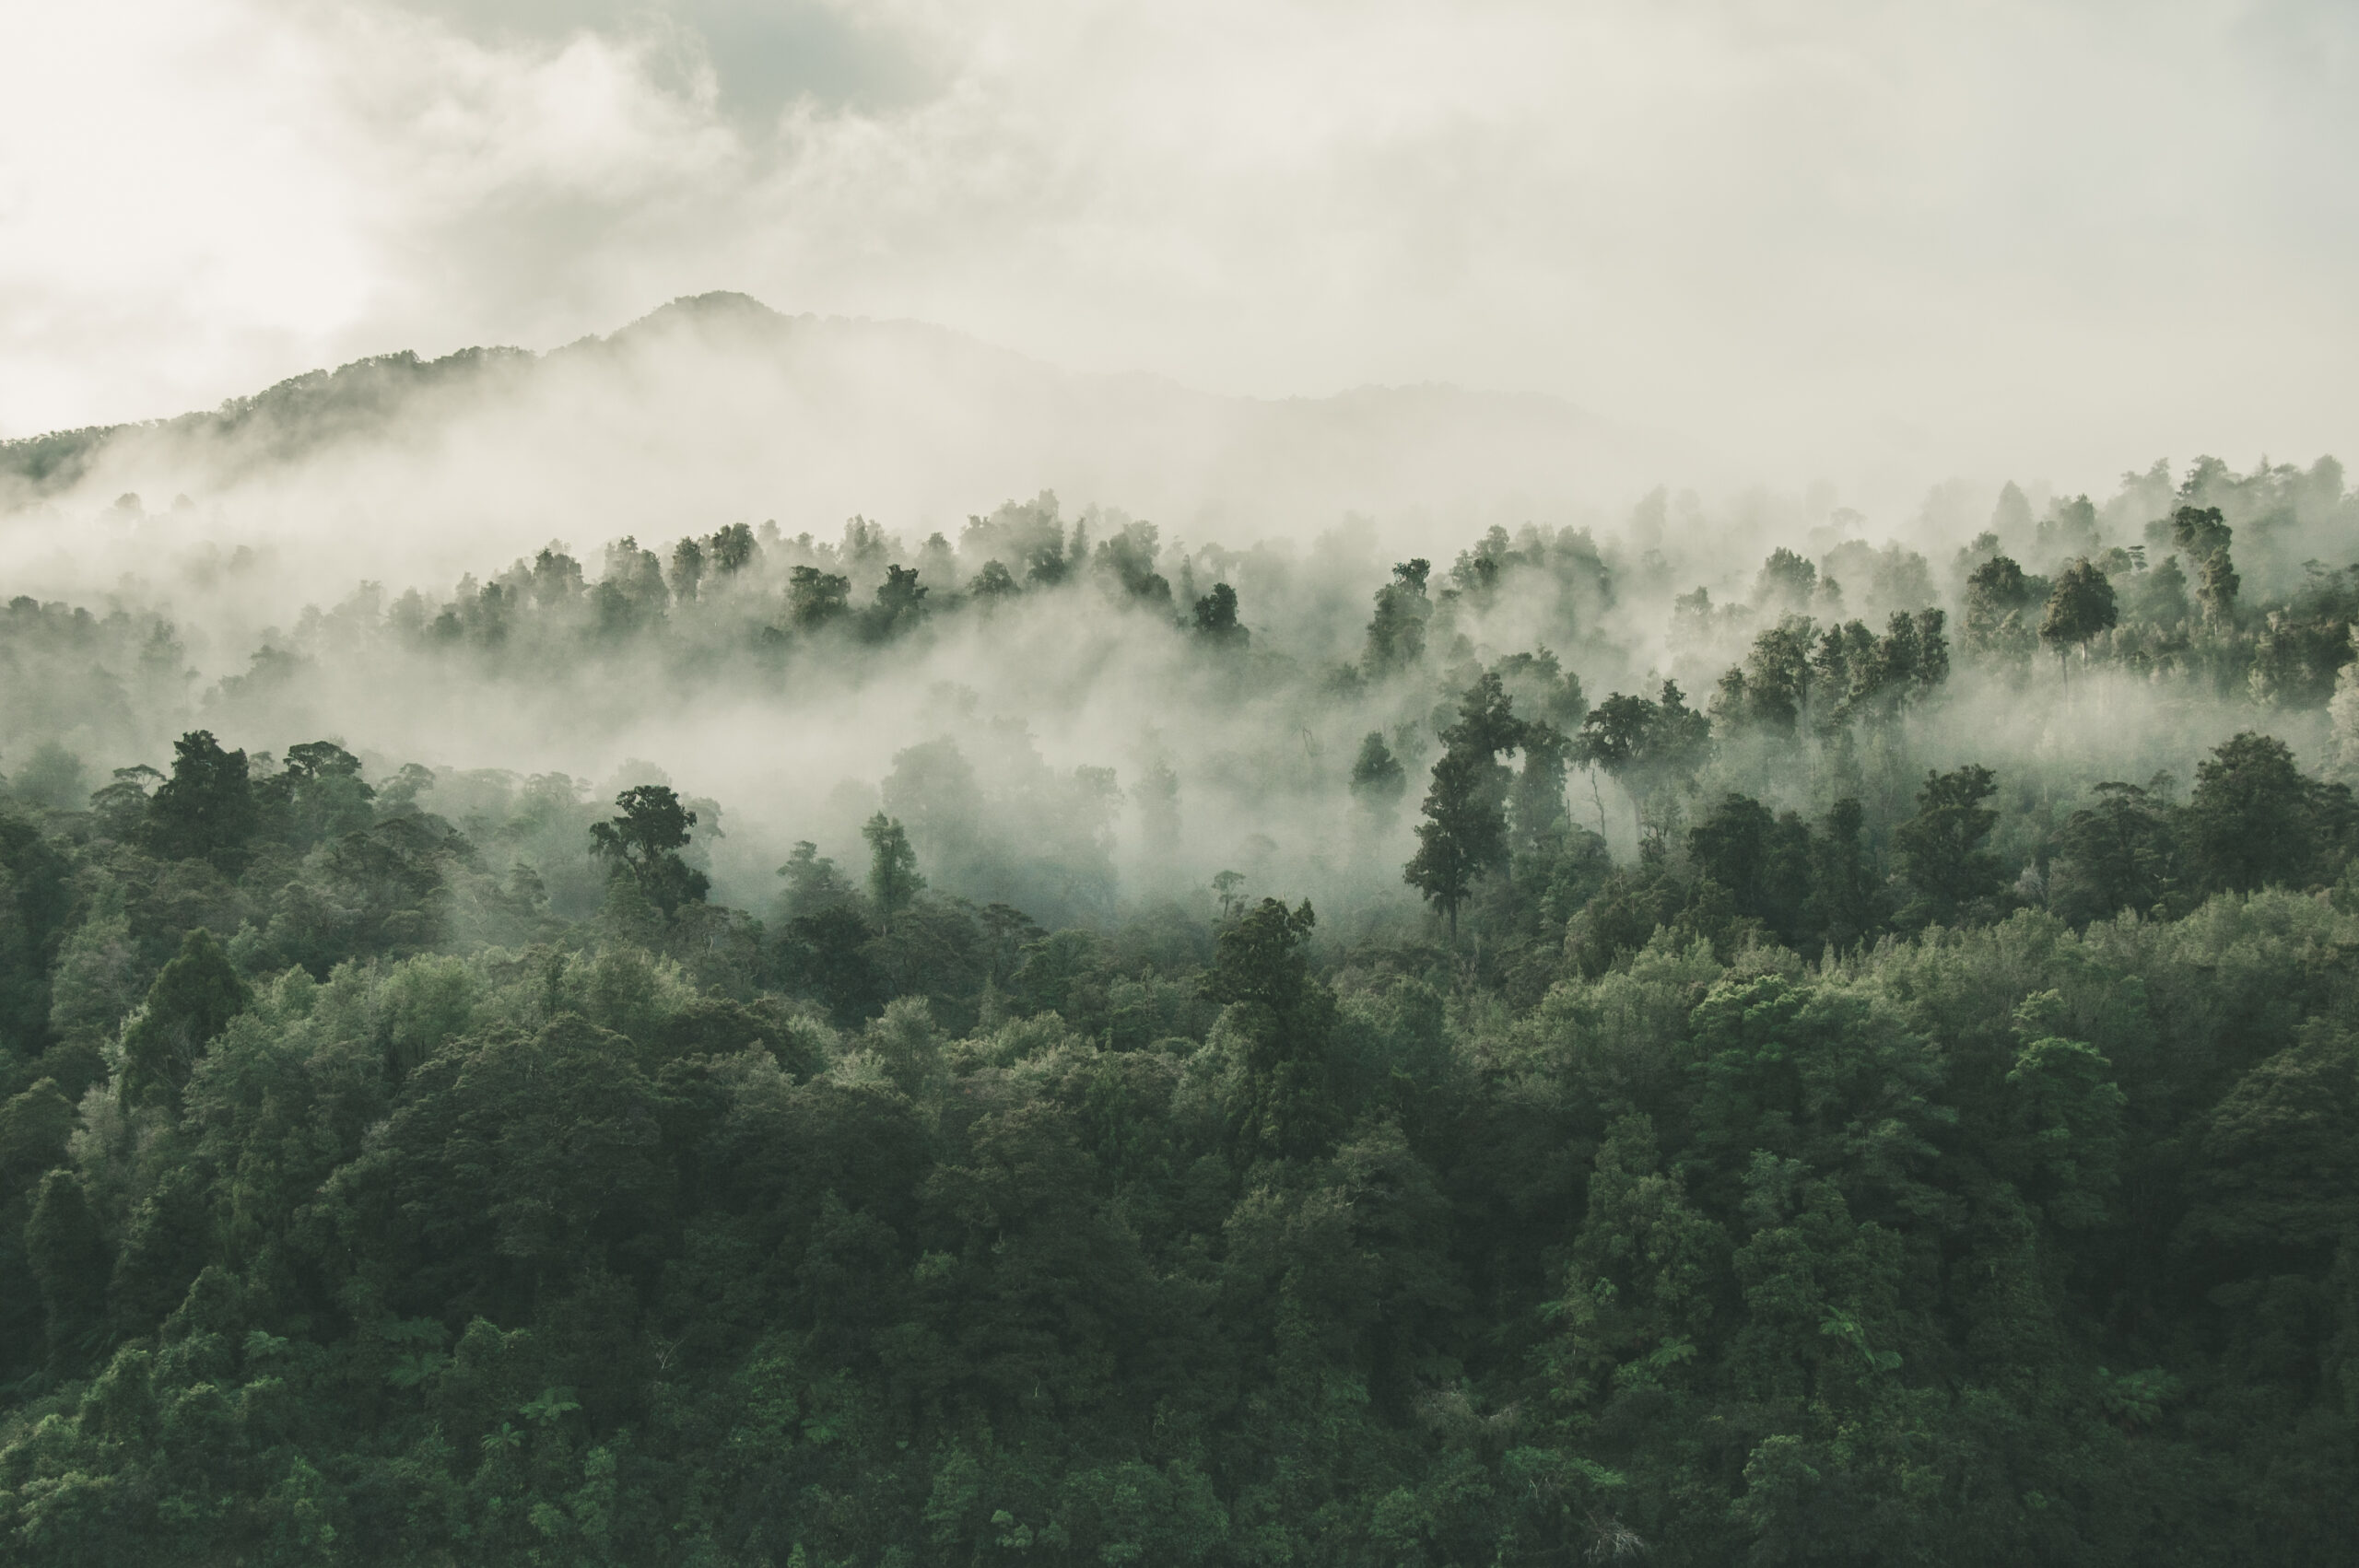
[(2042, 240)]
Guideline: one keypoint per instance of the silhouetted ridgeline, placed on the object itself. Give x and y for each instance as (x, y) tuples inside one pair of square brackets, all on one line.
[(1188, 1055)]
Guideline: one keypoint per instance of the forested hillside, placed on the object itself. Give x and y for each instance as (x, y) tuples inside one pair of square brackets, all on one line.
[(1576, 1055)]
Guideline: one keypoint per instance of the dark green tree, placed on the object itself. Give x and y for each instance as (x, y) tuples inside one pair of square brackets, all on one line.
[(1538, 795), (1462, 836), (1941, 848), (900, 604), (1763, 859), (1378, 779), (893, 879), (687, 570), (1215, 616), (120, 808), (993, 584), (644, 843), (192, 1001), (1287, 1019), (207, 809), (318, 794), (2205, 535), (2081, 608), (2000, 604), (827, 956), (68, 1257), (1644, 744), (2116, 855), (813, 883), (2250, 819), (816, 599), (1845, 906), (732, 550), (1396, 633), (1465, 831)]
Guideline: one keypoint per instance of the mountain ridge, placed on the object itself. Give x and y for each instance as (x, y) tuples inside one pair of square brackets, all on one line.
[(355, 398)]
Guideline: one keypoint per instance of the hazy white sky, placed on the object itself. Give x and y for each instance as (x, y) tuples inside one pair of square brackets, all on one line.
[(2050, 239)]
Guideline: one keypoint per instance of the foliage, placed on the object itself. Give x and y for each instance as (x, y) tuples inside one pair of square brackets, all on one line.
[(1896, 1158)]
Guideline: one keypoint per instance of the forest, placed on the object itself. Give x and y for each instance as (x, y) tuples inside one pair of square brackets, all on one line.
[(1599, 1052)]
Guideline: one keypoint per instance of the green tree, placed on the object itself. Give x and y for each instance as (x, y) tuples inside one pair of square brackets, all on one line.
[(687, 570), (893, 879), (813, 883), (1287, 1019), (2249, 820), (1763, 859), (68, 1256), (644, 843), (1465, 831), (1644, 743), (1538, 794), (2117, 855), (1844, 907), (1941, 848), (1999, 602), (900, 604), (2081, 607), (318, 794), (34, 1126), (1214, 617), (816, 599), (1463, 834), (2205, 535), (2276, 1176), (207, 808), (1793, 1071), (192, 1001), (1639, 1295), (1396, 634), (732, 550), (2068, 1113), (1378, 779)]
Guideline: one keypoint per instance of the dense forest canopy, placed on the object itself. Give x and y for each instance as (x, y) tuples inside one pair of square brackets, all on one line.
[(1081, 1048)]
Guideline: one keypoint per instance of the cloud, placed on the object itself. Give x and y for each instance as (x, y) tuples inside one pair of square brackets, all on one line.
[(1845, 236)]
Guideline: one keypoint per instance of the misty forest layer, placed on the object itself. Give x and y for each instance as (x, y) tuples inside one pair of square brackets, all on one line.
[(1573, 1055)]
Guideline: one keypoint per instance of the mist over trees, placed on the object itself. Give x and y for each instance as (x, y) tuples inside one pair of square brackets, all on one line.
[(1087, 1047)]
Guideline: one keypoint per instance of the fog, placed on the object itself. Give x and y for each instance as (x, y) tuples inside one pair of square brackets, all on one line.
[(1592, 309), (1883, 245), (476, 565)]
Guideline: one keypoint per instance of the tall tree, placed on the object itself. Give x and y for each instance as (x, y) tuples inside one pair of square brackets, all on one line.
[(67, 1254), (1844, 907), (900, 604), (2113, 855), (1396, 633), (1763, 859), (1216, 616), (1465, 830), (1377, 779), (644, 843), (813, 883), (2205, 535), (817, 599), (2081, 607), (893, 879), (1644, 743), (2000, 600), (207, 808), (2249, 821), (192, 1001), (1286, 1016), (1941, 848)]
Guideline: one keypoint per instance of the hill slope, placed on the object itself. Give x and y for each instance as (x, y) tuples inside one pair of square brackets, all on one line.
[(717, 407)]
